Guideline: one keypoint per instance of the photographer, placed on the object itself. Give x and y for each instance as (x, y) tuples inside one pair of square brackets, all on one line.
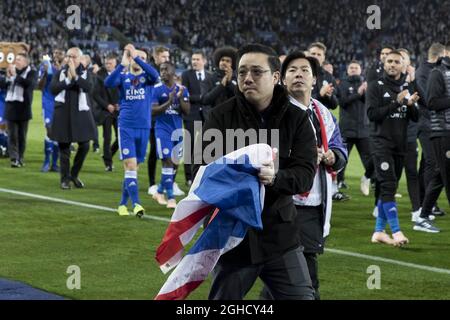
[(225, 79)]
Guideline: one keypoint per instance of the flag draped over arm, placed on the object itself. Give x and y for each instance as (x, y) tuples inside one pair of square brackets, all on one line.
[(228, 185)]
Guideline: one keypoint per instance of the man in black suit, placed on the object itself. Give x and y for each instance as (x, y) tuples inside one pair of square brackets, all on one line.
[(73, 120), (107, 110), (198, 82), (20, 82)]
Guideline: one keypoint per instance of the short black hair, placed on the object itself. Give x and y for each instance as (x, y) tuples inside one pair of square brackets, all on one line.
[(169, 64), (315, 66), (447, 46), (274, 62), (387, 46), (226, 51)]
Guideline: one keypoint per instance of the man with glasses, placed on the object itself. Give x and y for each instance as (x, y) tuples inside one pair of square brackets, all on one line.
[(274, 253)]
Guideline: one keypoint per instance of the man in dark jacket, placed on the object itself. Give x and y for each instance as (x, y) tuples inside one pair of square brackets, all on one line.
[(107, 110), (438, 101), (20, 81), (225, 79), (314, 208), (273, 254), (325, 88), (428, 163), (72, 120), (198, 82), (390, 106), (376, 71), (353, 120)]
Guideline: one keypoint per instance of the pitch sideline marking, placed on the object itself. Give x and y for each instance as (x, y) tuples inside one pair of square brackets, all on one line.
[(335, 251)]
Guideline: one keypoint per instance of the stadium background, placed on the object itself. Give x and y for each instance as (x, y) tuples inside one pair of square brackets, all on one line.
[(40, 238)]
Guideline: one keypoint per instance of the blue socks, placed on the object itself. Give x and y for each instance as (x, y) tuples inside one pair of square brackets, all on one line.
[(167, 178), (381, 219), (131, 185), (390, 209), (125, 195), (48, 149)]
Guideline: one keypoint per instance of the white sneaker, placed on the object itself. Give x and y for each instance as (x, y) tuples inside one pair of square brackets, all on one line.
[(177, 191), (375, 212), (365, 185), (415, 215), (398, 195), (152, 190)]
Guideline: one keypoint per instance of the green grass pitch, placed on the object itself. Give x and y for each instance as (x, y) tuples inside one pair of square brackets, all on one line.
[(40, 239)]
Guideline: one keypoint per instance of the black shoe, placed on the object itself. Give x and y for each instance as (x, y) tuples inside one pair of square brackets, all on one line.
[(342, 185), (437, 212), (15, 164), (109, 168), (77, 183), (340, 196), (65, 185)]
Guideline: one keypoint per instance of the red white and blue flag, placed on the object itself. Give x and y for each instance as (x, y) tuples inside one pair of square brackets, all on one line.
[(228, 186)]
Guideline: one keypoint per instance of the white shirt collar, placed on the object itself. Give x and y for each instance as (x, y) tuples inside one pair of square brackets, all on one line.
[(299, 104)]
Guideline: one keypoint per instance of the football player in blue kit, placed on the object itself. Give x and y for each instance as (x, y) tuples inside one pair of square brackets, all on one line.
[(46, 71), (135, 80), (170, 101)]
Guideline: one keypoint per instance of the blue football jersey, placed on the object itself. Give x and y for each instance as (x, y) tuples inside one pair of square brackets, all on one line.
[(135, 95), (171, 119)]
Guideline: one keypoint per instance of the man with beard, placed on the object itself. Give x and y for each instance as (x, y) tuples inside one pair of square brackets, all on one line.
[(225, 83), (390, 106), (376, 71)]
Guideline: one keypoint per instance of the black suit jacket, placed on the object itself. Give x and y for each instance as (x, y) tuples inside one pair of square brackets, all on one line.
[(196, 90), (103, 97), (16, 110)]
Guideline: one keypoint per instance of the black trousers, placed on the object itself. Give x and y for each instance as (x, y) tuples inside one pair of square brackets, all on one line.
[(441, 176), (151, 162), (388, 169), (285, 278), (363, 147), (66, 172), (433, 183), (189, 148), (109, 123), (310, 220), (17, 139), (412, 175)]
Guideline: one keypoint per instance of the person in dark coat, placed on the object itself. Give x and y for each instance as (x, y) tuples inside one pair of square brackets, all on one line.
[(375, 71), (225, 80), (314, 208), (428, 163), (198, 82), (273, 254), (353, 120), (325, 87), (107, 111), (73, 120), (20, 82), (391, 104)]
